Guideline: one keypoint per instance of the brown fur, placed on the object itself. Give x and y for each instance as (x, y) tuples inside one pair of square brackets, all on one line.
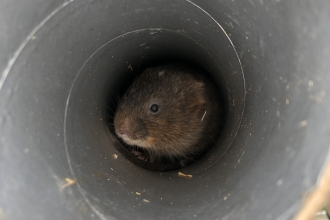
[(183, 95)]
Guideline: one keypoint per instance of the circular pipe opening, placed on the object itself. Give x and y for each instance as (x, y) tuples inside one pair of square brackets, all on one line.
[(150, 47), (57, 89)]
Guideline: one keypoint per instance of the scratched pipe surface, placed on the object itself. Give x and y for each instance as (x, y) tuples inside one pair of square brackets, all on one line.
[(62, 64)]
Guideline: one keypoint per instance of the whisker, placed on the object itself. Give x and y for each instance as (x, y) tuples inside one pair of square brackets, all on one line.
[(140, 66), (150, 154), (109, 107), (117, 96), (182, 154)]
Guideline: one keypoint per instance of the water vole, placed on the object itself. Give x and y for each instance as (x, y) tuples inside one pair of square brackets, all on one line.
[(171, 111)]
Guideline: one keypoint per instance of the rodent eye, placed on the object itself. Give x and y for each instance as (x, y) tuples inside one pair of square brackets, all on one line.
[(154, 108)]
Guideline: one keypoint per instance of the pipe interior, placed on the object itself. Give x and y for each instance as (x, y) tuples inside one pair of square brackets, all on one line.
[(55, 111)]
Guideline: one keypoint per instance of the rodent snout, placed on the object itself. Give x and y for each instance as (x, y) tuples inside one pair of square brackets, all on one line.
[(121, 126), (122, 130)]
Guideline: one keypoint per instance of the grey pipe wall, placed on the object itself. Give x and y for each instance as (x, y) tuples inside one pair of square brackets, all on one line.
[(61, 63)]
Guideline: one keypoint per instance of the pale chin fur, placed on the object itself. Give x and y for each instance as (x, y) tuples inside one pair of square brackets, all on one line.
[(129, 141)]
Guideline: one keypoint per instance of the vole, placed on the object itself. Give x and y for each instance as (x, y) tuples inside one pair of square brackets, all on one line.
[(172, 111)]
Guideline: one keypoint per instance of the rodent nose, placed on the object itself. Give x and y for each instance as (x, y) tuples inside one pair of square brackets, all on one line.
[(121, 131)]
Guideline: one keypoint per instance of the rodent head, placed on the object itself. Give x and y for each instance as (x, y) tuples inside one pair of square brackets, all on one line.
[(161, 111)]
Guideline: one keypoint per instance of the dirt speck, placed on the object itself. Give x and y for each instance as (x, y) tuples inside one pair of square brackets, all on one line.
[(203, 116), (278, 114), (310, 83), (279, 182), (67, 182), (184, 175), (130, 67), (303, 123)]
